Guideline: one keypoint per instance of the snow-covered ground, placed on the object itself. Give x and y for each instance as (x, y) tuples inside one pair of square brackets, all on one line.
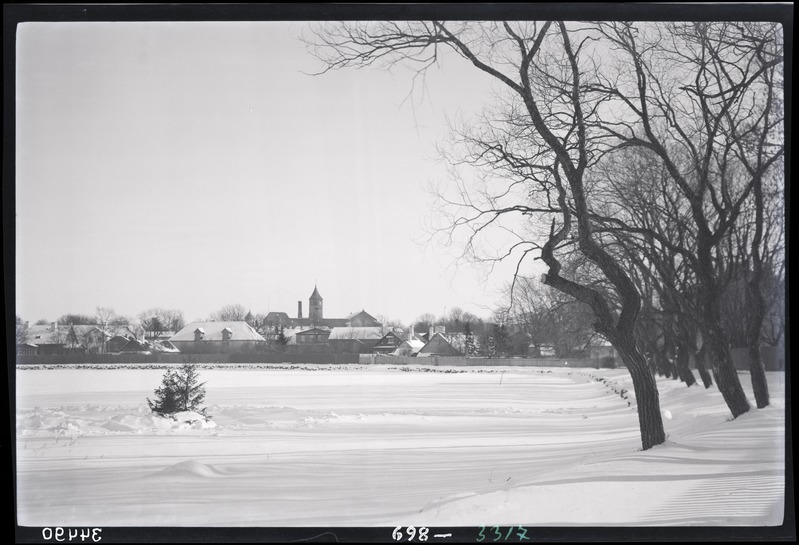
[(387, 446)]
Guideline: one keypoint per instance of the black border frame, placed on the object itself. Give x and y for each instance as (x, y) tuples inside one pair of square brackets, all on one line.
[(14, 14)]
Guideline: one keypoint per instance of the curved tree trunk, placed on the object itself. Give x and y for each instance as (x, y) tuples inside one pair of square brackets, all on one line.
[(757, 369), (718, 349), (646, 393), (726, 376), (699, 361), (619, 328)]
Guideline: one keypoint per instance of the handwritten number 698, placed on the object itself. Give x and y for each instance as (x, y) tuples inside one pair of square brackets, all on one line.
[(397, 534)]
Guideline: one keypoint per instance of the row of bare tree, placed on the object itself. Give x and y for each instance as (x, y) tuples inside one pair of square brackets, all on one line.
[(642, 163), (154, 321)]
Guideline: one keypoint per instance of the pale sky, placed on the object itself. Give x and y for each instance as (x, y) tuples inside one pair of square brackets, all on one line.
[(193, 165)]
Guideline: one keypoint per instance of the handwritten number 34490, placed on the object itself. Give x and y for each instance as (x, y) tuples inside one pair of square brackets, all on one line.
[(497, 534)]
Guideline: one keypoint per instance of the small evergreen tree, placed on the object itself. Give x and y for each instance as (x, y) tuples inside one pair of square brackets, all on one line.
[(180, 390), (469, 339), (491, 347), (281, 340)]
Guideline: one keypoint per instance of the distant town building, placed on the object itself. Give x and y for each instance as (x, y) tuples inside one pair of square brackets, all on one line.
[(438, 345), (387, 344), (277, 319), (310, 341), (217, 338), (46, 340), (409, 347), (316, 317), (354, 339), (56, 339)]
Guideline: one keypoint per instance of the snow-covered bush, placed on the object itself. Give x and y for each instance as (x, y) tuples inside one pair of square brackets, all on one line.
[(180, 390)]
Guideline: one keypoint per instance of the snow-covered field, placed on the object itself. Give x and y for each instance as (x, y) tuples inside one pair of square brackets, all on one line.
[(387, 446)]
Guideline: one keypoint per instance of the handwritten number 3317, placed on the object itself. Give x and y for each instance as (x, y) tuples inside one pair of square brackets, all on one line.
[(495, 531)]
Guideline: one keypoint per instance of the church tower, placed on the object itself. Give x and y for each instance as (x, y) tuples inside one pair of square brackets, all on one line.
[(315, 307)]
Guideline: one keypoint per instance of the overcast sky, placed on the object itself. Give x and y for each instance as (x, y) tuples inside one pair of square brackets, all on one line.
[(195, 165)]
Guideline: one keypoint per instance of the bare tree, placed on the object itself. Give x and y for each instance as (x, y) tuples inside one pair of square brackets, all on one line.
[(390, 323), (157, 321), (230, 313), (109, 323), (542, 146), (260, 324), (700, 96), (640, 209), (77, 319), (752, 305), (549, 317), (424, 322), (456, 319)]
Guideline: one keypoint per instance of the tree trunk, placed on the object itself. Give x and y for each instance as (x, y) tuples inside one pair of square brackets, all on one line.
[(683, 367), (718, 349), (646, 392), (657, 362), (725, 373), (757, 369), (668, 352), (758, 372), (699, 359), (682, 356), (653, 369)]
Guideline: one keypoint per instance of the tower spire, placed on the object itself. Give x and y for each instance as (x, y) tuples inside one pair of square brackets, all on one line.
[(315, 307)]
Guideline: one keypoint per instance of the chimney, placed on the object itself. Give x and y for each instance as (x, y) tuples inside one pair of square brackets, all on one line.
[(27, 324), (54, 326), (410, 333), (299, 310)]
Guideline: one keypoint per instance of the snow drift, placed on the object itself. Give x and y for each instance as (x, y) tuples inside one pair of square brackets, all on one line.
[(388, 446)]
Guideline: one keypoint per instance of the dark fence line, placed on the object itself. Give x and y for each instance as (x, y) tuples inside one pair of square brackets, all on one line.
[(479, 362), (185, 358), (773, 359)]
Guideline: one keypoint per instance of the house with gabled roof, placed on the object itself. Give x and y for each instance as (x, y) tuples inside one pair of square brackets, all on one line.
[(277, 319), (117, 343), (438, 345), (47, 339), (354, 339), (409, 347), (387, 344), (309, 341), (55, 339), (94, 339), (218, 338), (134, 346), (362, 319)]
